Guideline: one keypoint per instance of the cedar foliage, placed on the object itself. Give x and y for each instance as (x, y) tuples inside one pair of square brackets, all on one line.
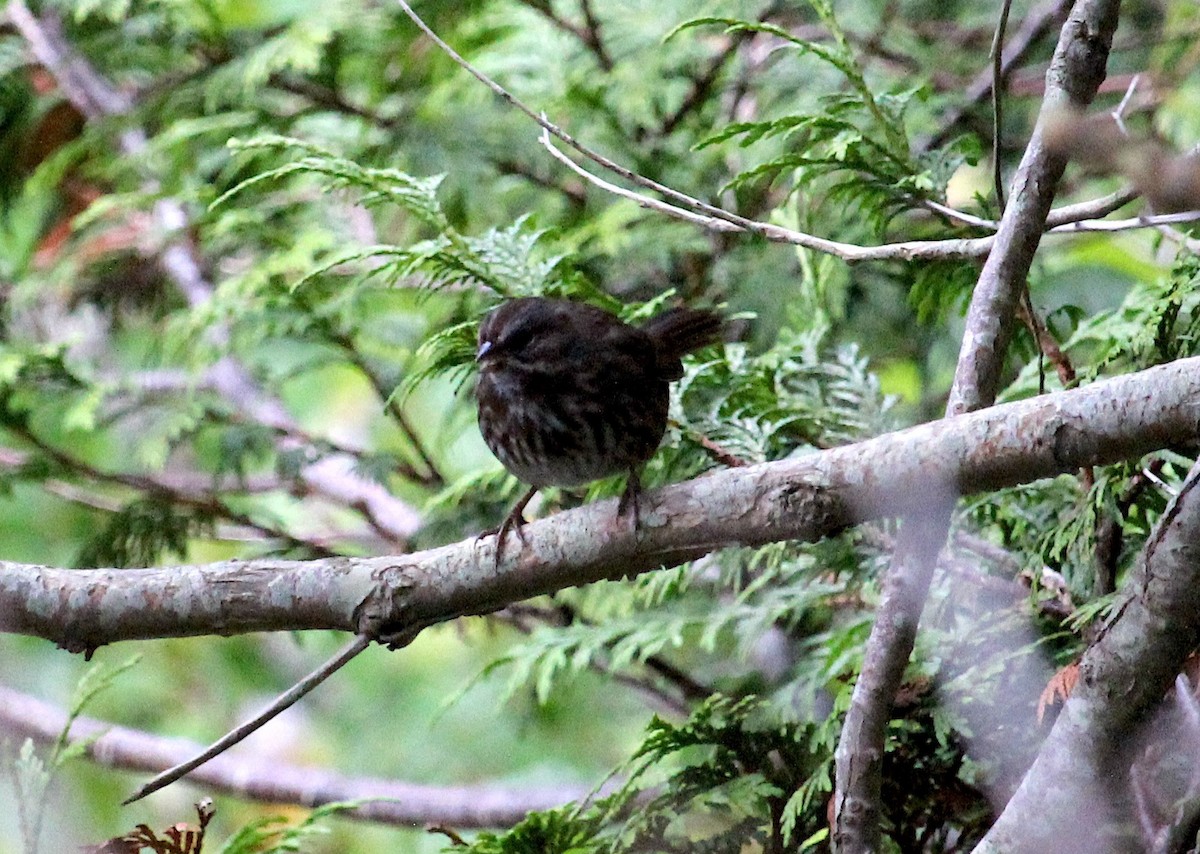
[(357, 202)]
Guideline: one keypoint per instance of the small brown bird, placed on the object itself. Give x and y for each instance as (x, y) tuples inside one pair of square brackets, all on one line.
[(569, 393)]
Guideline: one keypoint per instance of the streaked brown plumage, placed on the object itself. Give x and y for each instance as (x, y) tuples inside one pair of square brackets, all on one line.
[(569, 393)]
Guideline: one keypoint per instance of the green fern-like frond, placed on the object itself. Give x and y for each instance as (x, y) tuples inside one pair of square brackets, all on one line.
[(140, 533), (416, 195)]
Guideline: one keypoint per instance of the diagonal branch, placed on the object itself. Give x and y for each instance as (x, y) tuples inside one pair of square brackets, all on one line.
[(1075, 74), (803, 498), (271, 781), (1072, 794)]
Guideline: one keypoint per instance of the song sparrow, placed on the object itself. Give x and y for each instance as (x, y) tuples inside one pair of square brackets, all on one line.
[(569, 393)]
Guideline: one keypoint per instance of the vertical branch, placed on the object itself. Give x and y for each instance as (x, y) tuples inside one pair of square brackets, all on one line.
[(1074, 76), (998, 102), (1072, 80)]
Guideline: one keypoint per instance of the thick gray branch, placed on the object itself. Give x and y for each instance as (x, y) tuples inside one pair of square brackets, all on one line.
[(1071, 798), (802, 499), (276, 782), (1075, 74)]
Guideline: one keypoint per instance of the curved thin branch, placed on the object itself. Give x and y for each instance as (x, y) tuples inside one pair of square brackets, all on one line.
[(804, 498), (271, 781), (998, 102), (913, 250)]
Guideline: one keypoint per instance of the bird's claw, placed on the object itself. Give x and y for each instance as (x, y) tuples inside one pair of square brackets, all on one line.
[(513, 523), (631, 497)]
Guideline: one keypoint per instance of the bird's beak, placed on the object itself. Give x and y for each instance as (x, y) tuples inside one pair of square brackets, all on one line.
[(484, 349)]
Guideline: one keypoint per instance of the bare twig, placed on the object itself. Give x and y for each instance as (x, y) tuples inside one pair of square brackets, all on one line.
[(274, 781), (1091, 209), (431, 476), (284, 701), (1119, 113), (1148, 221), (998, 103), (909, 251), (1046, 343)]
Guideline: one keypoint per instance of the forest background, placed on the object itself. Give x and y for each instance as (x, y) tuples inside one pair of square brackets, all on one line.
[(245, 246)]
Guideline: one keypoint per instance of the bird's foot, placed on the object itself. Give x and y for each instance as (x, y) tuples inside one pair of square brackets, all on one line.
[(514, 522), (630, 499)]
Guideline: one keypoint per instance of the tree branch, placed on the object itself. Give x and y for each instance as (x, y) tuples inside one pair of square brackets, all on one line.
[(1075, 74), (271, 781), (802, 499), (1067, 799), (1072, 81)]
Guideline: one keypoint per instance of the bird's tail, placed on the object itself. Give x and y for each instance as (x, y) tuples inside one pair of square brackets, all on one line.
[(678, 331)]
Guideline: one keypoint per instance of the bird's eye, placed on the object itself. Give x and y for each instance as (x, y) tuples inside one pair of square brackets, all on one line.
[(517, 340)]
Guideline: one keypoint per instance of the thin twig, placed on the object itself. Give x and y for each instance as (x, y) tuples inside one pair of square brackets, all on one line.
[(1091, 209), (284, 701), (1036, 24), (911, 250), (998, 102), (268, 779), (1119, 113), (1149, 221)]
